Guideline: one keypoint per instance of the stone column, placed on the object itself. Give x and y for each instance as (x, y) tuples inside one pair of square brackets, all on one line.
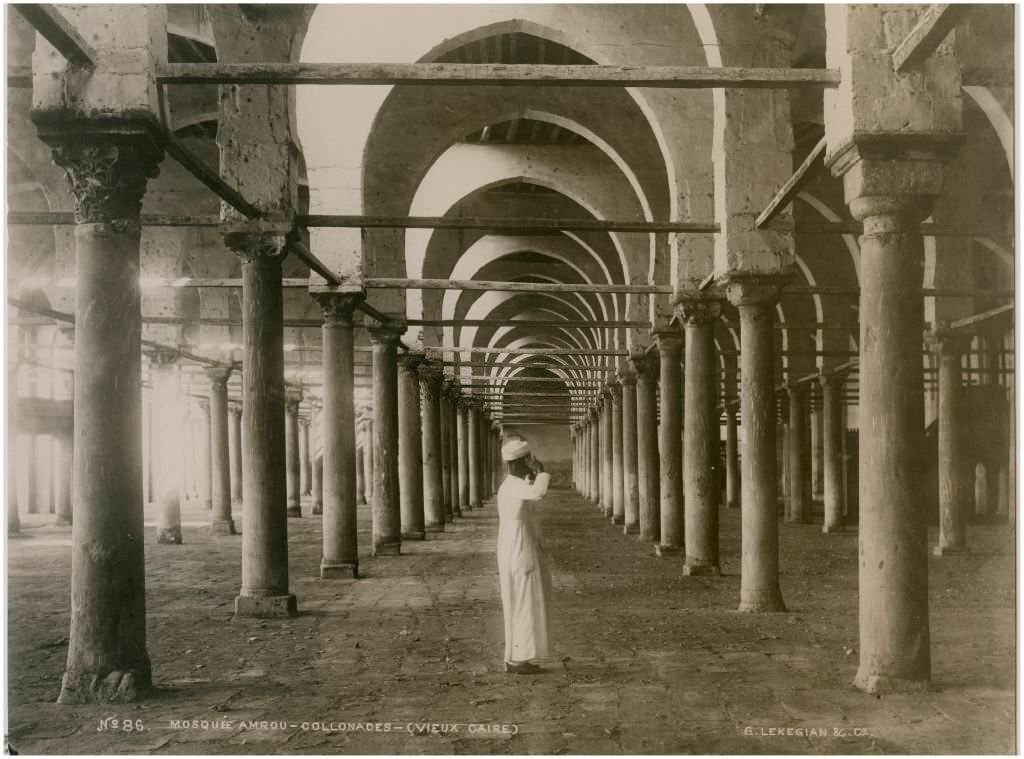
[(433, 447), (204, 473), (473, 454), (169, 431), (341, 475), (618, 480), (107, 167), (893, 579), (291, 448), (387, 515), (498, 470), (631, 482), (732, 459), (265, 589), (318, 487), (444, 453), (755, 297), (670, 344), (452, 393), (648, 472), (832, 454), (220, 474), (799, 502), (64, 467), (305, 462), (607, 454), (360, 481), (954, 503), (235, 451), (10, 470), (595, 456), (817, 449), (462, 441), (410, 448), (700, 481)]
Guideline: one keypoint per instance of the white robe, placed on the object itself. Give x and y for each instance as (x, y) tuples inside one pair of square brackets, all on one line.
[(523, 572)]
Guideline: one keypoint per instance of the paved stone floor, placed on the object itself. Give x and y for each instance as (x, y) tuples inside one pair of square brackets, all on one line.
[(408, 659)]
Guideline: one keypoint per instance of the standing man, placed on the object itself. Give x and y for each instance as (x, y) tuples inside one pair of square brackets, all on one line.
[(523, 572)]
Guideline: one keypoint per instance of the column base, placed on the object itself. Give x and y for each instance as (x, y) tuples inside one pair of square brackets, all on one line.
[(294, 511), (832, 529), (438, 527), (318, 509), (266, 607), (877, 685), (119, 686), (361, 503), (618, 519), (732, 505), (701, 570), (950, 551), (631, 529), (225, 527), (208, 505), (663, 550), (62, 522), (387, 549), (795, 519), (169, 535), (339, 570), (414, 535), (761, 601), (477, 505)]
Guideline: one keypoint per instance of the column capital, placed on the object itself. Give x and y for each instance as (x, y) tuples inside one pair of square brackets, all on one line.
[(753, 289), (304, 421), (161, 357), (107, 169), (385, 333), (412, 360), (832, 379), (292, 399), (647, 363), (257, 239), (893, 174), (668, 339), (234, 408), (798, 389), (338, 306), (627, 376), (942, 340), (431, 374), (697, 310), (218, 375), (203, 404), (615, 389)]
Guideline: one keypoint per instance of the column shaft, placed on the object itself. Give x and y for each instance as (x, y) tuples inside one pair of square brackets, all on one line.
[(204, 472), (670, 443), (759, 574), (953, 503), (305, 464), (235, 452), (618, 479), (387, 516), (732, 460), (433, 484), (265, 590), (607, 456), (169, 430), (832, 434), (220, 474), (341, 473), (700, 480), (410, 449), (630, 455), (64, 470), (595, 456), (799, 501), (444, 453), (292, 465), (462, 440), (648, 471), (473, 454)]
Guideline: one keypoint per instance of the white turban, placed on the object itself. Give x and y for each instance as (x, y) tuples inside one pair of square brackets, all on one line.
[(514, 449)]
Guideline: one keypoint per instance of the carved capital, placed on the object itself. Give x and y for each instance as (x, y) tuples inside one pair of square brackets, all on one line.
[(942, 340), (234, 408), (831, 379), (743, 289), (385, 333), (218, 375), (161, 357), (338, 306), (669, 341), (257, 245), (627, 377), (412, 360), (292, 399), (615, 389), (203, 404), (107, 175), (698, 312)]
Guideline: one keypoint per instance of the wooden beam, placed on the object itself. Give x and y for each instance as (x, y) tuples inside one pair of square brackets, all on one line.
[(805, 173), (525, 225), (520, 378), (402, 283), (56, 29), (976, 319), (926, 230), (531, 365), (529, 351), (469, 74), (315, 264), (934, 25), (566, 323), (66, 218)]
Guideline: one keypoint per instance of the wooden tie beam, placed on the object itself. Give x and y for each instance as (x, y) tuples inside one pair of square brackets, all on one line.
[(50, 23), (935, 24), (504, 74), (811, 165)]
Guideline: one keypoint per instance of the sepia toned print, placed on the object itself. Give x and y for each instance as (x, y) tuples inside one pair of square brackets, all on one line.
[(511, 379)]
